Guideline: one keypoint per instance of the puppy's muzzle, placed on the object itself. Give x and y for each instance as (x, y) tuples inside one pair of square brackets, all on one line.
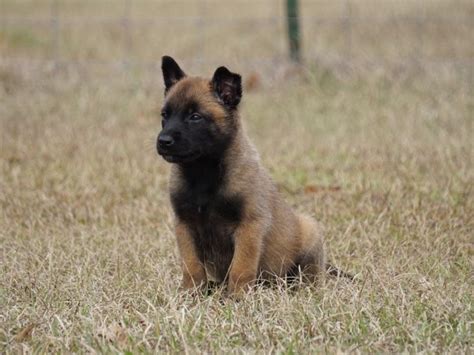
[(165, 141)]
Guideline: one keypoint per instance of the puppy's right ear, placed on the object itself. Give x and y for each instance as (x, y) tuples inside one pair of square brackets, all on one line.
[(172, 73)]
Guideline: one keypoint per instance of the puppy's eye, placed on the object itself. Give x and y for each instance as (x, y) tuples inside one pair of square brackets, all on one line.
[(164, 115), (195, 117)]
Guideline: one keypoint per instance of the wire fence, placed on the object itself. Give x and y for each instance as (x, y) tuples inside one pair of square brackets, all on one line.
[(349, 37)]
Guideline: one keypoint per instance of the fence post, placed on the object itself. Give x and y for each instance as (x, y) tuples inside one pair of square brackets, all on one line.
[(127, 43), (347, 28), (3, 10), (418, 51), (293, 30), (55, 30)]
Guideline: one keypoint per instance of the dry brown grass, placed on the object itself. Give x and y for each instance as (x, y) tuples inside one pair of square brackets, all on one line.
[(384, 159)]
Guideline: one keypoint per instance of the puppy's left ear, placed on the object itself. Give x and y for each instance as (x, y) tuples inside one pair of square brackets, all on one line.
[(227, 86)]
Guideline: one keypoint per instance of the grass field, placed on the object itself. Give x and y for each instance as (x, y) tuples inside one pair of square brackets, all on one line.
[(382, 158)]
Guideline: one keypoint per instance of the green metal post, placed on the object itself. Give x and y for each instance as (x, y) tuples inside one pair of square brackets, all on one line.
[(293, 29)]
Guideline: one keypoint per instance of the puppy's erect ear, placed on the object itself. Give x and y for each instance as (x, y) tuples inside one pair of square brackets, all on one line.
[(227, 86), (172, 73)]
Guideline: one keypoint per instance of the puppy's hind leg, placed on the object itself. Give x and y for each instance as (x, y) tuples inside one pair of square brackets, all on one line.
[(312, 255)]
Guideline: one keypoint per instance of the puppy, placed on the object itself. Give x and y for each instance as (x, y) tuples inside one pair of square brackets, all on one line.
[(232, 225)]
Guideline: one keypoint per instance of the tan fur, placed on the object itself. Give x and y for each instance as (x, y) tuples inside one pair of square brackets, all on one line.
[(271, 239)]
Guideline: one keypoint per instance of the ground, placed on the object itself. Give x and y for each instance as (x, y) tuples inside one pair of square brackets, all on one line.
[(383, 159)]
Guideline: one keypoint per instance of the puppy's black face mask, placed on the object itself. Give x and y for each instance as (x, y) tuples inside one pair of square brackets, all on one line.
[(198, 115), (189, 133)]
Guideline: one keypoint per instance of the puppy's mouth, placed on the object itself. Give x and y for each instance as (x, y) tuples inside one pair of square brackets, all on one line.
[(180, 158)]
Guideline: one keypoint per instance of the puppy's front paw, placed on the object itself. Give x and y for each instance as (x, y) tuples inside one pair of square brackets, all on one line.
[(189, 283), (237, 289)]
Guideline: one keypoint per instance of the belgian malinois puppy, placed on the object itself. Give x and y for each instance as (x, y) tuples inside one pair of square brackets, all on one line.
[(232, 225)]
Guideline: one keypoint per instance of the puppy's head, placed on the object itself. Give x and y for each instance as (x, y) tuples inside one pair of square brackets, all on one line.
[(198, 115)]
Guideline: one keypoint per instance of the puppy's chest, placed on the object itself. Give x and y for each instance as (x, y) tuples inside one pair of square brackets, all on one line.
[(212, 218), (200, 205)]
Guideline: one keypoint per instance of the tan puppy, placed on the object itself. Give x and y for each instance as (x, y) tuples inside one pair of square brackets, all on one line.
[(231, 223)]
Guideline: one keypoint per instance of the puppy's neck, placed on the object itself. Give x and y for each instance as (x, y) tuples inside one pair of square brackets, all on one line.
[(211, 170), (208, 170)]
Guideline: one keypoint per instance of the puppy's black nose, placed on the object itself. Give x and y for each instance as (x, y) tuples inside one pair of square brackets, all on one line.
[(165, 141)]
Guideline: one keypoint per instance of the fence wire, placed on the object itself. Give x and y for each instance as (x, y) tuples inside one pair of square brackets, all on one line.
[(351, 36)]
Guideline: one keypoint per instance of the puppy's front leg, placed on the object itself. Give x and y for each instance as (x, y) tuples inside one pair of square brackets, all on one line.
[(247, 251), (194, 273)]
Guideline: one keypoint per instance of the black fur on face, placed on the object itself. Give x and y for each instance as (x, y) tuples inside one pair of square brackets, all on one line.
[(194, 133), (199, 116)]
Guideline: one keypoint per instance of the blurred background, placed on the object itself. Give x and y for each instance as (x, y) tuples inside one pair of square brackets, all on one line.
[(97, 36), (368, 127)]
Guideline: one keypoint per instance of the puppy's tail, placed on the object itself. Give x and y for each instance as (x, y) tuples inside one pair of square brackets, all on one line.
[(334, 271)]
